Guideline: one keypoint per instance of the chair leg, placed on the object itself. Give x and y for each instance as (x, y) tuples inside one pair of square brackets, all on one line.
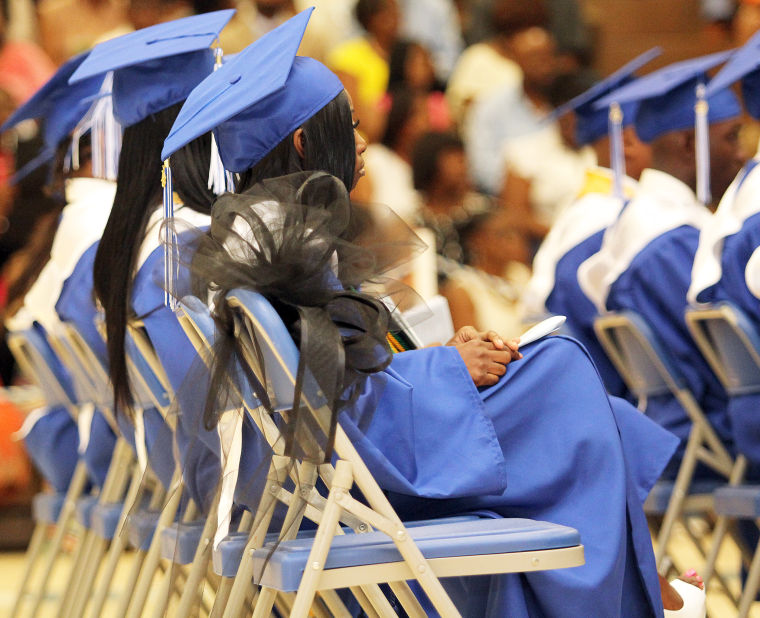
[(76, 486), (118, 543), (408, 601), (72, 583), (200, 562), (154, 551), (680, 491), (90, 573), (264, 603), (129, 585), (164, 591), (32, 553), (222, 597), (751, 585)]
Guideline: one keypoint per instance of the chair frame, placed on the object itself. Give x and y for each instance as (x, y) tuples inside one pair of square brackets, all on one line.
[(703, 444)]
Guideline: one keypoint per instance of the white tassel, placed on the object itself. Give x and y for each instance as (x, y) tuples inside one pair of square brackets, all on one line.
[(217, 175), (702, 136), (105, 134), (171, 244), (617, 157)]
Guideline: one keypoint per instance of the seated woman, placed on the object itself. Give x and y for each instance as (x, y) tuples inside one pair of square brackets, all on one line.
[(533, 437)]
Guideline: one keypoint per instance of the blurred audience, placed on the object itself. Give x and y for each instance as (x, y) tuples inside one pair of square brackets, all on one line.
[(487, 290), (435, 24), (411, 67), (388, 163), (362, 63), (486, 67)]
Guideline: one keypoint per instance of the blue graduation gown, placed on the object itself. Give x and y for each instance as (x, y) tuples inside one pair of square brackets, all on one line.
[(732, 286), (75, 305), (531, 446), (517, 449), (189, 379), (567, 298), (654, 285)]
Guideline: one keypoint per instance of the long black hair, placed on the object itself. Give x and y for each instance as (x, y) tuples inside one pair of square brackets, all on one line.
[(329, 146), (138, 193)]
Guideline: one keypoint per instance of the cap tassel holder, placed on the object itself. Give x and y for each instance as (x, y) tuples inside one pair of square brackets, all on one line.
[(171, 244), (702, 135), (617, 158), (218, 178)]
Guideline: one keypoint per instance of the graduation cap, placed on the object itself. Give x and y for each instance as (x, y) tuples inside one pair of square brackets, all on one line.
[(256, 100), (157, 66), (743, 65), (60, 106), (593, 123), (673, 98)]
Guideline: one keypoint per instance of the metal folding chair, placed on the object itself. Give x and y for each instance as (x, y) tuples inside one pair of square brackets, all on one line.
[(731, 345), (649, 370), (393, 553), (37, 363)]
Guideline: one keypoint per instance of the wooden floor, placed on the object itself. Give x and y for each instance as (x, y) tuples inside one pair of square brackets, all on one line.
[(685, 556)]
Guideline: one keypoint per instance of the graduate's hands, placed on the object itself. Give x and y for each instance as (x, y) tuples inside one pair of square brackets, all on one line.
[(486, 355)]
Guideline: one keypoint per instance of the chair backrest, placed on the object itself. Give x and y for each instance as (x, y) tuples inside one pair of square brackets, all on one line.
[(646, 366), (40, 365), (151, 386), (730, 344)]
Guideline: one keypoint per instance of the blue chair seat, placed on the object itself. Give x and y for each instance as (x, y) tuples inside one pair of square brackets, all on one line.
[(658, 499), (105, 519), (46, 507), (742, 501), (469, 538), (226, 557), (85, 506), (140, 528), (180, 540)]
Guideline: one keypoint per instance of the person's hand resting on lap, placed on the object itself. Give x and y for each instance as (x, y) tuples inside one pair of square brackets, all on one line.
[(486, 355)]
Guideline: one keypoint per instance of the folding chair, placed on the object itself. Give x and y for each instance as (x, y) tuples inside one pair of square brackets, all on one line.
[(232, 558), (731, 345), (228, 557), (648, 370), (38, 364), (394, 553), (149, 375), (97, 514), (108, 518)]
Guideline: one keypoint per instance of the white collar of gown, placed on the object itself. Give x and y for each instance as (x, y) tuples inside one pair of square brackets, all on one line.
[(88, 205), (740, 201), (583, 218), (662, 203)]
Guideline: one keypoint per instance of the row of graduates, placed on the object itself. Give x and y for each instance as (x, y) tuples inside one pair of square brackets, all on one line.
[(527, 434), (660, 247)]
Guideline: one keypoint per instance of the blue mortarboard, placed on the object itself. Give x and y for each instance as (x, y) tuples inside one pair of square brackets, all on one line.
[(744, 64), (668, 96), (256, 100), (157, 66), (674, 98), (592, 123), (60, 106)]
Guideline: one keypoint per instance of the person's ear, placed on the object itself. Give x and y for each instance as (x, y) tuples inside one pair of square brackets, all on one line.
[(298, 140)]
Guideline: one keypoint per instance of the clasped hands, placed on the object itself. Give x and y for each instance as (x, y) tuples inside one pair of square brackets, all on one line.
[(486, 355)]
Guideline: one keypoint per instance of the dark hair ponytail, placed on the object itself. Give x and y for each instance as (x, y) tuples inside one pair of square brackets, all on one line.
[(138, 193), (329, 146)]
